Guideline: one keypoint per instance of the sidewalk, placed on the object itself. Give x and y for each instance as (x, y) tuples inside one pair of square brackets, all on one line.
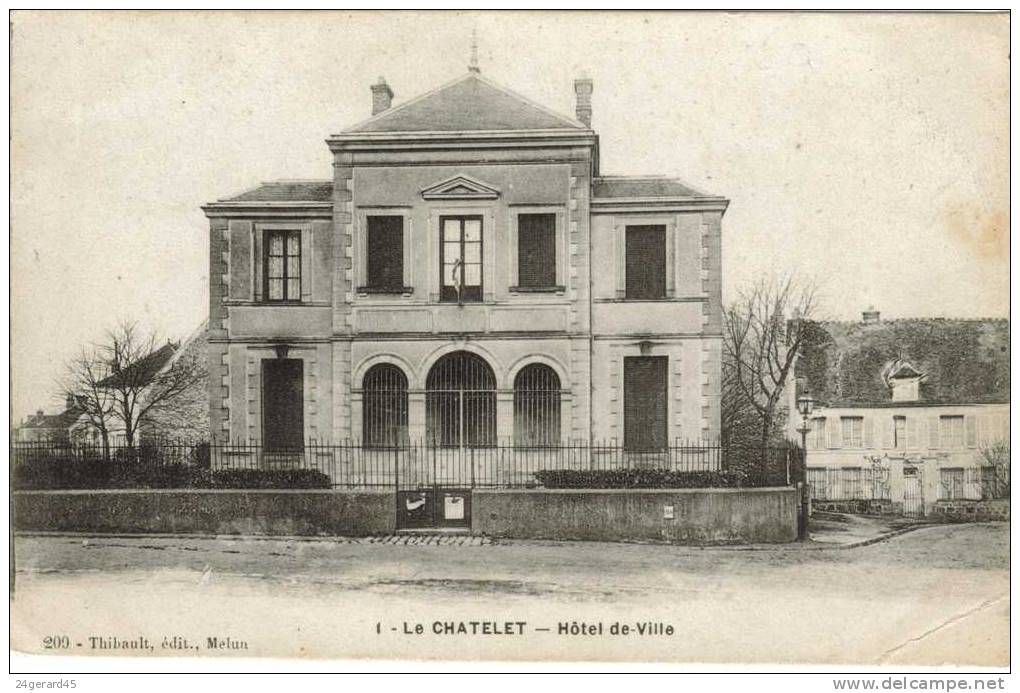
[(837, 530)]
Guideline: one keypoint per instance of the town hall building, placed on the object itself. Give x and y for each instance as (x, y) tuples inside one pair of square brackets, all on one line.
[(467, 275)]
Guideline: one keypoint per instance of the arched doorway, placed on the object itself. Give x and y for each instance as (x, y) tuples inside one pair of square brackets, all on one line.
[(460, 402)]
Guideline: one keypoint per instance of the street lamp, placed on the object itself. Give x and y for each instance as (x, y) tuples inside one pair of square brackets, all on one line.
[(805, 405)]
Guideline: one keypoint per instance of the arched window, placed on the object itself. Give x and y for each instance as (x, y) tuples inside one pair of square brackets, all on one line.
[(460, 401), (384, 406), (537, 406)]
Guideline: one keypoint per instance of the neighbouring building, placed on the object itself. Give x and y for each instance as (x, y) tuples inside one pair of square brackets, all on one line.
[(182, 417), (51, 428), (467, 275), (910, 413)]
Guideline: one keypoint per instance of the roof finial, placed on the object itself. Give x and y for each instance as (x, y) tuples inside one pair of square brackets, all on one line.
[(473, 65)]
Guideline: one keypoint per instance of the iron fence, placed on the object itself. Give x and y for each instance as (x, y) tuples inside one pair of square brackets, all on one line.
[(411, 464)]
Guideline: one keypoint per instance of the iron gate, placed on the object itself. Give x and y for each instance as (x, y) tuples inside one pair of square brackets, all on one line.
[(434, 482), (913, 496)]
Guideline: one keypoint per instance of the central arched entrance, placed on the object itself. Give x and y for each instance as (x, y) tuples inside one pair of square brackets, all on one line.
[(434, 488), (460, 402)]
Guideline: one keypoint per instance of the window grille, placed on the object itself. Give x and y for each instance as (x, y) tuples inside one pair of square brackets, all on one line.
[(384, 406), (537, 406), (460, 401)]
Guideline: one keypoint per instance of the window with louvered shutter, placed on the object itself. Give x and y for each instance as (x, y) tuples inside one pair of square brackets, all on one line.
[(646, 262), (536, 250), (386, 253)]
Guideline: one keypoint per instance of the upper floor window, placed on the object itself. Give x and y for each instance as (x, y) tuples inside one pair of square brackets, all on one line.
[(283, 265), (385, 262), (646, 262), (536, 251), (853, 431), (899, 432), (951, 431), (460, 259), (820, 437)]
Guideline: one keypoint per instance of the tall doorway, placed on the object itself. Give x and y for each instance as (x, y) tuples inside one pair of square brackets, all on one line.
[(283, 398), (645, 403)]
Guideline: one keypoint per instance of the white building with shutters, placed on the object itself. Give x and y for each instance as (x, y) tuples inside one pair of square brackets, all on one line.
[(907, 409), (467, 274)]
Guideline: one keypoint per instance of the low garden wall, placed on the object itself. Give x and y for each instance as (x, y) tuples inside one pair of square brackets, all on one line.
[(858, 507), (971, 510), (683, 516), (207, 511)]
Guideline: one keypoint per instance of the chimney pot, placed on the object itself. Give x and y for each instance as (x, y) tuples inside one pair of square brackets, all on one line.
[(39, 412), (583, 88), (382, 96)]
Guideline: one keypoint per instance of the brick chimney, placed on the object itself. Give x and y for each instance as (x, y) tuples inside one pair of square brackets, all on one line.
[(382, 96), (583, 88), (870, 316)]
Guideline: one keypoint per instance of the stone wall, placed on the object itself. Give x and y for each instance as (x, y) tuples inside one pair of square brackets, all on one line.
[(971, 510), (270, 512), (682, 516)]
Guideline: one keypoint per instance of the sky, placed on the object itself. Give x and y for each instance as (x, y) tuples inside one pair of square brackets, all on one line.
[(866, 153)]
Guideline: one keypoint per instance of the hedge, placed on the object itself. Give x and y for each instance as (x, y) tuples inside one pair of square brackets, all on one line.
[(640, 478), (55, 473)]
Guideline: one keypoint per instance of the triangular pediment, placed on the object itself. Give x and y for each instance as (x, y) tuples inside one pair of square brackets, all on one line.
[(460, 188)]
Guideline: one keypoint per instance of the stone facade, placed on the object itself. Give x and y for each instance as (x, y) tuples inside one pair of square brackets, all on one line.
[(473, 149)]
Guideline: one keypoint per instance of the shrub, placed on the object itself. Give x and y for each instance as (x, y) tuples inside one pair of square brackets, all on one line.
[(276, 478), (639, 478), (139, 471)]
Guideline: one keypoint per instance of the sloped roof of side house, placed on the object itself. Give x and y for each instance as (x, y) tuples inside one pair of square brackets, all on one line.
[(617, 187), (287, 191), (63, 420), (845, 364), (471, 102), (142, 371)]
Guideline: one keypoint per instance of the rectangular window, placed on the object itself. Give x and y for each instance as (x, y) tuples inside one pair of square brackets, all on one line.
[(646, 262), (283, 265), (853, 431), (899, 432), (952, 483), (460, 259), (821, 439), (536, 251), (385, 261), (951, 431)]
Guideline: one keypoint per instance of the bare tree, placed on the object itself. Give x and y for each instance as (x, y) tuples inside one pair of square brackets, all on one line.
[(80, 385), (143, 375), (764, 330)]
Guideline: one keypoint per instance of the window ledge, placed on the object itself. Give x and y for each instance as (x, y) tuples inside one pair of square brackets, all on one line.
[(368, 290), (537, 289)]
